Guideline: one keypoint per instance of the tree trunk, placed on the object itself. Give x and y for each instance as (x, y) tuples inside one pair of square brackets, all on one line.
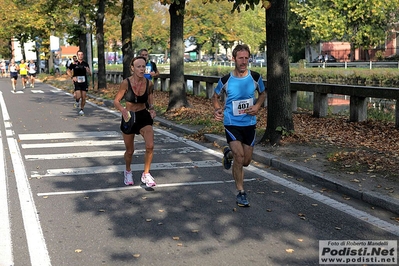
[(177, 91), (126, 24), (279, 114), (352, 54), (22, 44), (82, 36), (101, 76)]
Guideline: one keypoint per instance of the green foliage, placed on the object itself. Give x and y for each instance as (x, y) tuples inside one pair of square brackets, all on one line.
[(362, 23), (382, 111), (284, 132)]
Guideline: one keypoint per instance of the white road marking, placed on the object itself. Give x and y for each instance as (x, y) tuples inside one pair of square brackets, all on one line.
[(104, 154), (70, 135), (37, 91), (345, 208), (93, 143), (119, 168), (6, 256), (203, 183), (34, 235), (89, 143)]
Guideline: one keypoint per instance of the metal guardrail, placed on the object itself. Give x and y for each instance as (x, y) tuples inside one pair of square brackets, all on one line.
[(359, 64), (355, 64)]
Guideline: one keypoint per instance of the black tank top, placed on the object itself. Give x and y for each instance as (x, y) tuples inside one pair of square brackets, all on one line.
[(130, 96)]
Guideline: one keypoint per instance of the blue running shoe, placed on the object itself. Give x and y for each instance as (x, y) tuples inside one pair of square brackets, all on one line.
[(226, 161), (242, 200)]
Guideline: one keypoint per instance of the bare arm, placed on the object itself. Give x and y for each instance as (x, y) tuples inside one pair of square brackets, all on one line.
[(218, 112), (119, 96), (151, 100), (253, 110)]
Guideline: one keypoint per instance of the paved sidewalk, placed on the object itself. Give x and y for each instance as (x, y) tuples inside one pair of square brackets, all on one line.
[(310, 175)]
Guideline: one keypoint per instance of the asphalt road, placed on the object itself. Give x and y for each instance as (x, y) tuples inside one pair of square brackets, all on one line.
[(63, 201)]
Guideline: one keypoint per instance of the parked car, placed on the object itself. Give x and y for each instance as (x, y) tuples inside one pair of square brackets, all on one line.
[(44, 67), (392, 57), (188, 60), (258, 61), (331, 59)]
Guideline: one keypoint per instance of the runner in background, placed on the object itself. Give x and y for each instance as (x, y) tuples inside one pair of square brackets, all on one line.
[(13, 70), (151, 69), (78, 71), (23, 71), (32, 73)]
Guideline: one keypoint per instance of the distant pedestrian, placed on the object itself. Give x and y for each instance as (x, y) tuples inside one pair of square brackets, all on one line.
[(151, 69), (239, 115), (3, 68), (78, 71), (137, 118), (326, 58), (68, 62)]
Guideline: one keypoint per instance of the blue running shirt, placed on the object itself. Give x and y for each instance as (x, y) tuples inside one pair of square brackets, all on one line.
[(240, 94)]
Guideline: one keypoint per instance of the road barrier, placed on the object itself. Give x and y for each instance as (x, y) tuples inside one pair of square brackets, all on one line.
[(359, 95)]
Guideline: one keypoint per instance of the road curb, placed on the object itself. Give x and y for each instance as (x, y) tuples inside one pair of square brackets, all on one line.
[(310, 175)]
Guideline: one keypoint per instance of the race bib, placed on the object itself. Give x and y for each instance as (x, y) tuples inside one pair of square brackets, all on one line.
[(240, 107), (81, 79)]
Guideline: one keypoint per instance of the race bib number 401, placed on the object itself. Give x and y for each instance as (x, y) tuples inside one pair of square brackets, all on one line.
[(81, 79), (241, 107)]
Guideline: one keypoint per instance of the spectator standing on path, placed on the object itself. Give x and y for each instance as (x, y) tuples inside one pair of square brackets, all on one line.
[(326, 57), (78, 71), (3, 68), (151, 69), (32, 73), (13, 70), (239, 116), (68, 62), (137, 118), (23, 71)]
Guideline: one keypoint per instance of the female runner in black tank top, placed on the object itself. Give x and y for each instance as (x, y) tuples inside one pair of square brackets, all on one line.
[(138, 95)]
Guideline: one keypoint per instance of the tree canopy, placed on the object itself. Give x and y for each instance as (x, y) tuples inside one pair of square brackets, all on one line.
[(363, 23)]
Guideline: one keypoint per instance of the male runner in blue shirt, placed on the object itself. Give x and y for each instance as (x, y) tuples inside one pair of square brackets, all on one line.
[(239, 115)]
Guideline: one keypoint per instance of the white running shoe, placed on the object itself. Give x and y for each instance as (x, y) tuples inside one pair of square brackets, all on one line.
[(148, 180), (76, 104), (128, 178), (81, 113)]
